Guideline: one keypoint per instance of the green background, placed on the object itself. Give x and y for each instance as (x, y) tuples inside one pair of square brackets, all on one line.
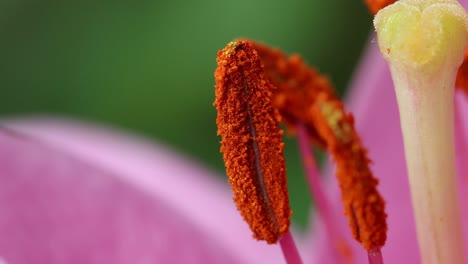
[(147, 66)]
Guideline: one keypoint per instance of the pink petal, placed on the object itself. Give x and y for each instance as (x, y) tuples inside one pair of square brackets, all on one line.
[(72, 193)]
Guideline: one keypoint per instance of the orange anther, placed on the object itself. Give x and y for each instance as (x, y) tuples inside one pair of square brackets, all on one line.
[(251, 142)]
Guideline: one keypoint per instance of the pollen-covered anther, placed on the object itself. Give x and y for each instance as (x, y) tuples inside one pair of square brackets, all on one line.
[(251, 142), (363, 205), (304, 95), (297, 88)]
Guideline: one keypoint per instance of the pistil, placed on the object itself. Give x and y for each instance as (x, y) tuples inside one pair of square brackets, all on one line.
[(424, 42)]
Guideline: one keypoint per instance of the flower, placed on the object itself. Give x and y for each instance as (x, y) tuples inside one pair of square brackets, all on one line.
[(74, 193)]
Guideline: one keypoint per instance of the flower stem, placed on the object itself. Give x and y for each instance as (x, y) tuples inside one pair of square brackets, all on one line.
[(289, 249)]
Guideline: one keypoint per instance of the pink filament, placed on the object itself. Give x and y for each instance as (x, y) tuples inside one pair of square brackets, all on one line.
[(375, 256), (321, 200), (289, 249)]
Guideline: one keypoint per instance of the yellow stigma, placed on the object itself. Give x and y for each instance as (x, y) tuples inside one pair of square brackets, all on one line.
[(422, 35)]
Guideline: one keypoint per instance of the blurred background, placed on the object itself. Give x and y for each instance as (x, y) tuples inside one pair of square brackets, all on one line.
[(147, 66)]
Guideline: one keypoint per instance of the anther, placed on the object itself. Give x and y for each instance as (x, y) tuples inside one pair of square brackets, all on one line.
[(251, 142), (304, 95), (363, 205)]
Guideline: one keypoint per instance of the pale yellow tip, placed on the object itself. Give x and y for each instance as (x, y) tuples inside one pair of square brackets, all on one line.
[(422, 35)]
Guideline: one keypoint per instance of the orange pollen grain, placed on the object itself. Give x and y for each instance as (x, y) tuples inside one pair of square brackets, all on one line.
[(375, 5), (304, 95), (251, 141)]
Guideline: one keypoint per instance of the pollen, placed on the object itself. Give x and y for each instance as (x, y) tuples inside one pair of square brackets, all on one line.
[(304, 95), (375, 5), (251, 141), (363, 205), (297, 87)]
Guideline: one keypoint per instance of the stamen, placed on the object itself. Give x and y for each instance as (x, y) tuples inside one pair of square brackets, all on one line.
[(303, 95), (363, 204), (251, 141), (248, 106)]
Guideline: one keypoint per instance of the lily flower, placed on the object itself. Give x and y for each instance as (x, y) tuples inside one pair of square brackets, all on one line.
[(77, 193)]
